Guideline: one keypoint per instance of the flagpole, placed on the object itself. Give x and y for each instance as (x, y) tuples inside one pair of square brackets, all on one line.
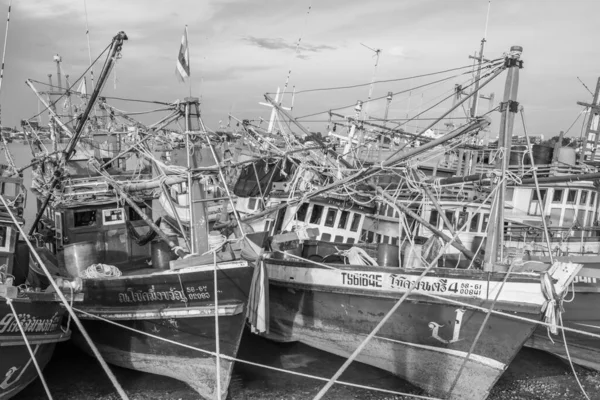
[(187, 38)]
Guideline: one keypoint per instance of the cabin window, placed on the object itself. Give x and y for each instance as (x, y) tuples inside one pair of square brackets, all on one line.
[(326, 237), (583, 198), (134, 216), (555, 216), (558, 195), (9, 189), (338, 239), (350, 240), (370, 235), (395, 241), (355, 222), (542, 193), (592, 199), (330, 219), (434, 218), (484, 223), (569, 217), (571, 196), (383, 209), (386, 239), (84, 218), (534, 206), (390, 211), (463, 217), (474, 223), (377, 238), (450, 217), (343, 220), (251, 203), (301, 213), (581, 218), (315, 217), (4, 232), (510, 194)]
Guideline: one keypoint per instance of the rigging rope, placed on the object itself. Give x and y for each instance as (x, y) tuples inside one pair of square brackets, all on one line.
[(388, 80), (396, 93)]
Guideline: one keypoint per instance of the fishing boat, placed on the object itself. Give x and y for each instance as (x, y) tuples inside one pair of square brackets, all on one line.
[(175, 306), (30, 320), (450, 331)]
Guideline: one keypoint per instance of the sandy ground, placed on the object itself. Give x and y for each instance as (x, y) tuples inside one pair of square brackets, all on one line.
[(72, 375)]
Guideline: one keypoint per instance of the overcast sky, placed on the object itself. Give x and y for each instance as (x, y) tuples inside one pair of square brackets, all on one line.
[(242, 49)]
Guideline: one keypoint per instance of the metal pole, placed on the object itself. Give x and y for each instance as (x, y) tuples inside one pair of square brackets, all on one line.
[(495, 237)]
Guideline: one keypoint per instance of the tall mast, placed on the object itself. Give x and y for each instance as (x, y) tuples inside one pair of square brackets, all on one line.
[(116, 46), (480, 61), (196, 194), (509, 108)]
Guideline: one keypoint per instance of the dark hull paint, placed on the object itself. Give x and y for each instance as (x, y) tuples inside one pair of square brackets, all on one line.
[(337, 321), (580, 314), (16, 367), (126, 301)]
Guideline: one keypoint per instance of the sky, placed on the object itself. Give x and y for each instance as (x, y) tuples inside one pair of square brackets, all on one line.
[(241, 50)]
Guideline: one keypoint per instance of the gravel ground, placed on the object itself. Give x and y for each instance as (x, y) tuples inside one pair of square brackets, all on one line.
[(72, 375)]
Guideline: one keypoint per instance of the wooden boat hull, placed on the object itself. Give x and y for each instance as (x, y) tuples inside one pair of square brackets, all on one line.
[(425, 341), (581, 314), (42, 324), (177, 306)]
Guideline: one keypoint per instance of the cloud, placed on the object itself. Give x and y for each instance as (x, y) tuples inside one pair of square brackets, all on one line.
[(281, 44)]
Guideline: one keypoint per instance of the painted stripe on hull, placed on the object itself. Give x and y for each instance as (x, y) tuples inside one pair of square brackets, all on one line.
[(35, 339), (188, 270), (489, 362), (191, 312)]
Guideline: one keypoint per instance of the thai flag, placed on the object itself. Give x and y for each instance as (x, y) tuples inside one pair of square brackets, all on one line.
[(183, 60)]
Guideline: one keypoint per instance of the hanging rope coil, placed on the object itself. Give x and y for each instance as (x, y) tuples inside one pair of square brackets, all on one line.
[(99, 271)]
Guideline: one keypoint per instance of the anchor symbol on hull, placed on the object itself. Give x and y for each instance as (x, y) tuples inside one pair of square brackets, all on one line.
[(435, 327), (7, 382)]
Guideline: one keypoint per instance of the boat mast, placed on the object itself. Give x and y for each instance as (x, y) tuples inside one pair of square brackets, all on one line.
[(117, 44), (509, 108), (196, 193)]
